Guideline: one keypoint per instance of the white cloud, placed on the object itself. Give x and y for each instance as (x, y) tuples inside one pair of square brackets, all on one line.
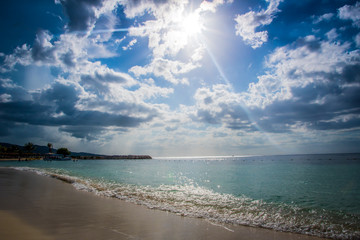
[(310, 62), (357, 40), (21, 55), (211, 6), (332, 34), (246, 24), (5, 98), (310, 82), (130, 45), (220, 105), (170, 70), (324, 17), (351, 12)]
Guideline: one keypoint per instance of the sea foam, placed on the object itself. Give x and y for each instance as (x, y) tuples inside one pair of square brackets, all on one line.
[(196, 201)]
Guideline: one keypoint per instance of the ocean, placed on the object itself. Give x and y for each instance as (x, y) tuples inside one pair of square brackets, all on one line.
[(309, 194)]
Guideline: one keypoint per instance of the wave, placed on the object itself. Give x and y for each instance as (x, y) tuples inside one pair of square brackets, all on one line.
[(196, 201)]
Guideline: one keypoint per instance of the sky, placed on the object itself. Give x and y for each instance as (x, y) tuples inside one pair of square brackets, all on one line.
[(181, 77)]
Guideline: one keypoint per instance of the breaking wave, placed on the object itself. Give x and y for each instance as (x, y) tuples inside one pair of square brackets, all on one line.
[(196, 201)]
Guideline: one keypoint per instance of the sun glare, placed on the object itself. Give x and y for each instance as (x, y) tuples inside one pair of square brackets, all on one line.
[(191, 24)]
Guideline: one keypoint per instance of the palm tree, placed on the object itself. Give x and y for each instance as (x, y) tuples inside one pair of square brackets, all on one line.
[(29, 147), (50, 147), (3, 149)]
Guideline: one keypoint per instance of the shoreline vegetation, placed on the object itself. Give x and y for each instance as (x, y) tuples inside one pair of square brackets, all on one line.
[(30, 152)]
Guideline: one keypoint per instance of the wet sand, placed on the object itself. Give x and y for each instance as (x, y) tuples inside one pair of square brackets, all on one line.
[(39, 207)]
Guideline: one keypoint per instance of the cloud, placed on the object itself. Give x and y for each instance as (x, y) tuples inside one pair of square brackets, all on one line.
[(21, 55), (82, 14), (332, 34), (357, 40), (61, 106), (324, 17), (94, 133), (310, 84), (219, 105), (99, 77), (68, 52), (43, 50), (170, 70), (167, 36), (246, 24), (12, 91), (305, 62), (130, 45), (319, 84), (350, 12)]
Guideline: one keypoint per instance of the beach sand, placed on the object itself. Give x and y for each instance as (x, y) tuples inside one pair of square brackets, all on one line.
[(39, 207)]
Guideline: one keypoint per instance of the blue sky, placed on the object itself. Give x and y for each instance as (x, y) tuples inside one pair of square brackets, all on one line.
[(181, 77)]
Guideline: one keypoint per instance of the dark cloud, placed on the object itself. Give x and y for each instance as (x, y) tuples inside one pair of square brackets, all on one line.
[(207, 117), (63, 97), (15, 92), (56, 106), (5, 128), (43, 49), (25, 112), (68, 58), (99, 80), (312, 44), (90, 134), (351, 73), (322, 107), (81, 13), (83, 132)]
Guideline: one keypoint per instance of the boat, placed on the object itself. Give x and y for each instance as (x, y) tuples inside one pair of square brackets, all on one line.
[(56, 157)]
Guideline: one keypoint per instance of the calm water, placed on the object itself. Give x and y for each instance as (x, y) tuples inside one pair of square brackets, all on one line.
[(309, 194)]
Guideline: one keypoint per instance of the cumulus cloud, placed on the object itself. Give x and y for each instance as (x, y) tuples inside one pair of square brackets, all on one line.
[(82, 14), (87, 100), (99, 77), (21, 55), (43, 50), (170, 70), (305, 62), (312, 83), (219, 105), (58, 106), (351, 12), (66, 52), (246, 24)]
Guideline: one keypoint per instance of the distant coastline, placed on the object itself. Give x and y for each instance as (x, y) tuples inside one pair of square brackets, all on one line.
[(39, 153), (108, 157)]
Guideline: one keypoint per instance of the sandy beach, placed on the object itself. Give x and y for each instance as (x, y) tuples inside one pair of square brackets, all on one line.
[(39, 207)]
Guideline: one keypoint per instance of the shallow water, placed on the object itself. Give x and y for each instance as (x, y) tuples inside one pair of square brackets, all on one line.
[(311, 194)]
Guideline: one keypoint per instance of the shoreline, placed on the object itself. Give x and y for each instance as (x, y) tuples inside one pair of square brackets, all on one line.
[(22, 159), (66, 213)]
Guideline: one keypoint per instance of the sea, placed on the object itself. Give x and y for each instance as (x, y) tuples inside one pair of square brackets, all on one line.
[(316, 195)]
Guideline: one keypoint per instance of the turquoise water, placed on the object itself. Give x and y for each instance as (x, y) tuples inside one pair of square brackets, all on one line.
[(310, 194)]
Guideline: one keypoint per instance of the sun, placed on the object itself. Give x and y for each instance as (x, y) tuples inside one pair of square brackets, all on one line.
[(191, 24)]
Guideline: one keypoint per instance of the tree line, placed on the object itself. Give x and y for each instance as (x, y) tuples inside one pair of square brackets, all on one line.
[(28, 150)]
